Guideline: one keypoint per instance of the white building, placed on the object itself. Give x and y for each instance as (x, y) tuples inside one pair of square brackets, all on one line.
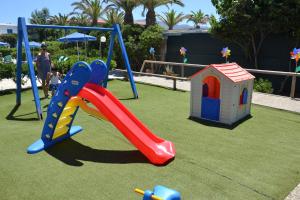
[(221, 93), (8, 28)]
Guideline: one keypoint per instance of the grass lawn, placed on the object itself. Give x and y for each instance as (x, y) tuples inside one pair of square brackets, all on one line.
[(259, 159)]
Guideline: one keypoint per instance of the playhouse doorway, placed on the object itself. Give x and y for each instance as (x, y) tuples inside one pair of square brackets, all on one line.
[(210, 107)]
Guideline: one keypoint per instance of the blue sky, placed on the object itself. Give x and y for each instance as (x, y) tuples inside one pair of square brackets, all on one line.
[(12, 9)]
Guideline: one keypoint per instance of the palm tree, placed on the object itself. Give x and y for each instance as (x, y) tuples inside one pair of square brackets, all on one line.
[(114, 17), (150, 6), (79, 19), (60, 19), (94, 9), (171, 18), (40, 16), (127, 6), (198, 18)]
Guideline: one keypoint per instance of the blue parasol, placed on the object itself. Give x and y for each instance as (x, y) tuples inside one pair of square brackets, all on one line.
[(34, 44), (77, 37), (4, 44)]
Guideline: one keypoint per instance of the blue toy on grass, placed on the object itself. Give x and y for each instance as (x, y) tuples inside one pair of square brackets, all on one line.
[(159, 193)]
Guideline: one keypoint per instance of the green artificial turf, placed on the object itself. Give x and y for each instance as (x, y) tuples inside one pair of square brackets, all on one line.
[(258, 159)]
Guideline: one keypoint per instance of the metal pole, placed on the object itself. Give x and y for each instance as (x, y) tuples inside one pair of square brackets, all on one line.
[(77, 51), (69, 27), (109, 56), (31, 68), (174, 84), (85, 50), (19, 63), (100, 50), (293, 87), (126, 60)]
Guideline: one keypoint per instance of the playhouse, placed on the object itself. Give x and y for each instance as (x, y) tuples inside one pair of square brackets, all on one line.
[(221, 93)]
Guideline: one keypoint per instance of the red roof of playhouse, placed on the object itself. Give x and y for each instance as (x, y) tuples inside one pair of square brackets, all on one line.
[(231, 70)]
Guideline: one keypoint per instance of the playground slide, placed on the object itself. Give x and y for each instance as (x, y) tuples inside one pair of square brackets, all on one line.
[(157, 150)]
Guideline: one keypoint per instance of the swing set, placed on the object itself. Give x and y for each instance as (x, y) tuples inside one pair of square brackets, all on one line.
[(23, 36)]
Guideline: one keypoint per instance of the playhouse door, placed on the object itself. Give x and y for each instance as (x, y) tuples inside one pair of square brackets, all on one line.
[(210, 108)]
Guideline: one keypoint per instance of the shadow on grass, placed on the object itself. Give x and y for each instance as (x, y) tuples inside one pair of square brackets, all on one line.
[(42, 98), (71, 152), (220, 125), (12, 116), (5, 92), (126, 99)]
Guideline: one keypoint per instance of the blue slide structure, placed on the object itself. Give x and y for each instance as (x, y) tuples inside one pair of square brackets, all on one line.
[(74, 81), (82, 85)]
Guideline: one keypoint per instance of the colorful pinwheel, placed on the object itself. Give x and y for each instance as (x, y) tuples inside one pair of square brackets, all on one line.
[(152, 52), (183, 51), (295, 55), (226, 52)]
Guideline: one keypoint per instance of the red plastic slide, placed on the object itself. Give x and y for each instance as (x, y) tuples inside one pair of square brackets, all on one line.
[(157, 150)]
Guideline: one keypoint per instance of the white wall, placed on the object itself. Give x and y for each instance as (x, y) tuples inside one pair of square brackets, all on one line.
[(244, 110), (5, 27), (227, 101), (196, 94)]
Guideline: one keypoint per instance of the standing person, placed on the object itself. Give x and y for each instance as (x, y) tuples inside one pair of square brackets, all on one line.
[(43, 63)]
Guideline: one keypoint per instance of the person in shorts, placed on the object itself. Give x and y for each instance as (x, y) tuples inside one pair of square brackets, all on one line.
[(43, 64)]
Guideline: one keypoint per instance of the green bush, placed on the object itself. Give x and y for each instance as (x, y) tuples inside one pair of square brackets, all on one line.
[(65, 66), (138, 41), (8, 70), (9, 38), (152, 37), (6, 51), (263, 85), (56, 49)]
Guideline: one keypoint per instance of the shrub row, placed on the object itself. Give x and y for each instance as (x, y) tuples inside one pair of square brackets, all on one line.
[(8, 70), (65, 66), (263, 85)]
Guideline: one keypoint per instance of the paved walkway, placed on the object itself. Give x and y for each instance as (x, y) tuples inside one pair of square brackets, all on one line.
[(9, 84), (269, 100)]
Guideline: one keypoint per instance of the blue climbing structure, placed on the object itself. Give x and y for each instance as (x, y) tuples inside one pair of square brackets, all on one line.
[(23, 37), (53, 132)]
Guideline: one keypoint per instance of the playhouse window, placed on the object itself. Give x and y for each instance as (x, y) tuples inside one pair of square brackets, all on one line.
[(211, 87), (244, 97)]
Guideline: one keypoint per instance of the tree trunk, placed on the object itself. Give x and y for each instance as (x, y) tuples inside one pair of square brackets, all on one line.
[(94, 21), (257, 48), (150, 17), (254, 51), (128, 18)]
